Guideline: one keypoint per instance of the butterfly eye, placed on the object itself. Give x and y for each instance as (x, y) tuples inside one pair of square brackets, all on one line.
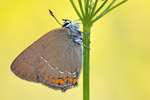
[(65, 24)]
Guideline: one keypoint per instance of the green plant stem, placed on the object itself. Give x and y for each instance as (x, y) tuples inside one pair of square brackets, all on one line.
[(87, 15), (86, 63)]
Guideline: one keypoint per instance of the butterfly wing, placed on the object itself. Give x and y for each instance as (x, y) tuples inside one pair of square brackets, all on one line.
[(54, 60), (60, 63), (24, 65)]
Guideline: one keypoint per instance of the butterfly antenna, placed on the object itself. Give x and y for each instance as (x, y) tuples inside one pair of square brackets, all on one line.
[(51, 13)]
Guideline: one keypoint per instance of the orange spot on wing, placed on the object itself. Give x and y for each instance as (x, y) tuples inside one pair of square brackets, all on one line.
[(53, 80), (74, 81), (59, 81), (66, 79), (70, 80)]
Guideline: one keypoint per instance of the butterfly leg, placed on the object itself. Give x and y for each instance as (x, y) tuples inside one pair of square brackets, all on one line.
[(86, 46), (80, 41), (83, 32)]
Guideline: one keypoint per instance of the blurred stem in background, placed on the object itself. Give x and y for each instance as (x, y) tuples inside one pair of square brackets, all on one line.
[(90, 13)]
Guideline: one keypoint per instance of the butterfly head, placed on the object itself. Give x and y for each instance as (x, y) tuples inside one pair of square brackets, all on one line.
[(67, 23)]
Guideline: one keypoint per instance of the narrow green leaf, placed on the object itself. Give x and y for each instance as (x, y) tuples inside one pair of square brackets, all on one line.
[(108, 7), (90, 7), (85, 5), (81, 8), (108, 10), (76, 10), (116, 6), (93, 9), (87, 8), (99, 9), (97, 17)]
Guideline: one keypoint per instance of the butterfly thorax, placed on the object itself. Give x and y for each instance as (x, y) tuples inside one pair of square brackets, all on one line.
[(73, 30)]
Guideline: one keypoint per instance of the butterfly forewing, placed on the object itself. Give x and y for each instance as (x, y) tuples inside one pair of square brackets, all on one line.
[(24, 65)]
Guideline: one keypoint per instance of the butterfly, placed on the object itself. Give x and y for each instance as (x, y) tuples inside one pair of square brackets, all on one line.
[(55, 59)]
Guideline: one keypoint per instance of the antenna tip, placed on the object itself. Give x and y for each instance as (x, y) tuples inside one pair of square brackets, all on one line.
[(51, 12)]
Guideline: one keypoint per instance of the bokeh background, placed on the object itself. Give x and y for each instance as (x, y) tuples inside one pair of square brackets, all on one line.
[(120, 50)]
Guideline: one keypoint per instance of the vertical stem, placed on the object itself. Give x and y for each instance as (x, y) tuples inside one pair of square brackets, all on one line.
[(86, 63)]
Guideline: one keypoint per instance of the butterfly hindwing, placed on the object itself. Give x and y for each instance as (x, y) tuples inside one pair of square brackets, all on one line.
[(60, 67)]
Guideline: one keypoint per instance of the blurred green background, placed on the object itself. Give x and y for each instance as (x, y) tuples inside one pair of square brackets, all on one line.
[(120, 50)]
